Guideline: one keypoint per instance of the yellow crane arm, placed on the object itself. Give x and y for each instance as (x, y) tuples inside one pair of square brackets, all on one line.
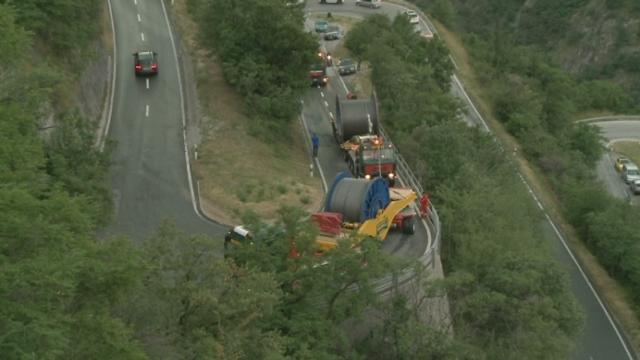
[(380, 225)]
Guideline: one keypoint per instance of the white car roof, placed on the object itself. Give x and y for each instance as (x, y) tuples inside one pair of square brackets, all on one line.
[(241, 230)]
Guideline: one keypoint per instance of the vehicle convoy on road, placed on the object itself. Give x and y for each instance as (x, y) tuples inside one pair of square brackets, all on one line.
[(356, 130), (630, 172), (412, 16), (145, 63), (333, 32), (347, 66), (368, 156), (352, 207), (318, 72), (364, 207), (354, 117), (321, 26), (374, 4), (621, 162)]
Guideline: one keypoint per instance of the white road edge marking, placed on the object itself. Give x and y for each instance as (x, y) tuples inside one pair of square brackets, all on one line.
[(555, 229), (147, 83), (146, 111), (142, 36), (183, 112), (584, 276), (113, 77), (139, 18)]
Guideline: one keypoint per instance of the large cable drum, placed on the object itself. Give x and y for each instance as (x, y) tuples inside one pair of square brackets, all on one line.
[(357, 199), (355, 117)]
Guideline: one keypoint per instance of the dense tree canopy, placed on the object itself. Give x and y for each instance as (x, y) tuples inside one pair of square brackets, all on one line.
[(537, 101), (264, 52), (503, 304)]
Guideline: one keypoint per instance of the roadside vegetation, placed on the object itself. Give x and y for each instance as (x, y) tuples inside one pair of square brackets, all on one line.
[(519, 83), (65, 295), (57, 283), (251, 158), (495, 258), (265, 55)]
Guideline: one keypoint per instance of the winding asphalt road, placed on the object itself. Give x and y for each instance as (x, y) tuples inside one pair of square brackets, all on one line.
[(149, 175), (615, 130), (601, 337)]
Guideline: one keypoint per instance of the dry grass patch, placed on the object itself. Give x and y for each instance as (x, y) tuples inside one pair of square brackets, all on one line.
[(616, 297), (630, 149), (237, 172)]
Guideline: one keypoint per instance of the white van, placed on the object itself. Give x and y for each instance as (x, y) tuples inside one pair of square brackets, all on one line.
[(630, 173), (374, 4)]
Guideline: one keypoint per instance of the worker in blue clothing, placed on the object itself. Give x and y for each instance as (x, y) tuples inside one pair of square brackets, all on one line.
[(315, 143)]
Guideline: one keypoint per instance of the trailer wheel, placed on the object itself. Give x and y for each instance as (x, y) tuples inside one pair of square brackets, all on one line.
[(409, 226)]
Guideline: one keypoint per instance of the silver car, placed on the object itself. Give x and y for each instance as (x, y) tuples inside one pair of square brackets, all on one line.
[(635, 187), (333, 32), (630, 173)]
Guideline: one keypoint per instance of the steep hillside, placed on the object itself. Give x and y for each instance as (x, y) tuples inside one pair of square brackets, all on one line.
[(594, 39)]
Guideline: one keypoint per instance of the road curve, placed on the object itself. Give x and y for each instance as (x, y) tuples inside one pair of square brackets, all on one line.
[(613, 129), (601, 337), (150, 173)]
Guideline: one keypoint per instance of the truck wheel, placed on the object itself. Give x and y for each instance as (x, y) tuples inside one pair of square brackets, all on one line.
[(409, 226)]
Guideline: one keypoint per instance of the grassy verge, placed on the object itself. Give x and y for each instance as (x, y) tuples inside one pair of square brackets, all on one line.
[(630, 149), (614, 295), (236, 172)]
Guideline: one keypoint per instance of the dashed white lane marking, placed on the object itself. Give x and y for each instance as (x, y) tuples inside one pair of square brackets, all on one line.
[(331, 115), (147, 83), (142, 36), (135, 2), (146, 111), (326, 103), (139, 18), (322, 94)]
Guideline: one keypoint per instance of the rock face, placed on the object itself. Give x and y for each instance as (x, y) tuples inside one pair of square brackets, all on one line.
[(592, 38)]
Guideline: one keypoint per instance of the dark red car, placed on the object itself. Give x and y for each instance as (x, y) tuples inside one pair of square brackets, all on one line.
[(145, 63)]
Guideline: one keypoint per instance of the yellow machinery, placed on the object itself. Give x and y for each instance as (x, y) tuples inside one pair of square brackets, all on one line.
[(364, 208)]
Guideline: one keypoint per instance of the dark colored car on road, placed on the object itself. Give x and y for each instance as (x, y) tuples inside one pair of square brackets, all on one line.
[(145, 63), (346, 66)]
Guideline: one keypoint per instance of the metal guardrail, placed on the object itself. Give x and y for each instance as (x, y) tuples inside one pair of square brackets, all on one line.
[(433, 222)]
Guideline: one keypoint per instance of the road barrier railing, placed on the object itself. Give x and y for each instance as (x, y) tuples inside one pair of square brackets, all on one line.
[(428, 257)]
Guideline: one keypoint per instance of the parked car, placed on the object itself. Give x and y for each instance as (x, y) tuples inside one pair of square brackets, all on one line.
[(332, 33), (145, 63), (374, 4), (620, 162), (321, 26), (346, 66), (413, 16), (299, 3), (630, 172), (635, 187)]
